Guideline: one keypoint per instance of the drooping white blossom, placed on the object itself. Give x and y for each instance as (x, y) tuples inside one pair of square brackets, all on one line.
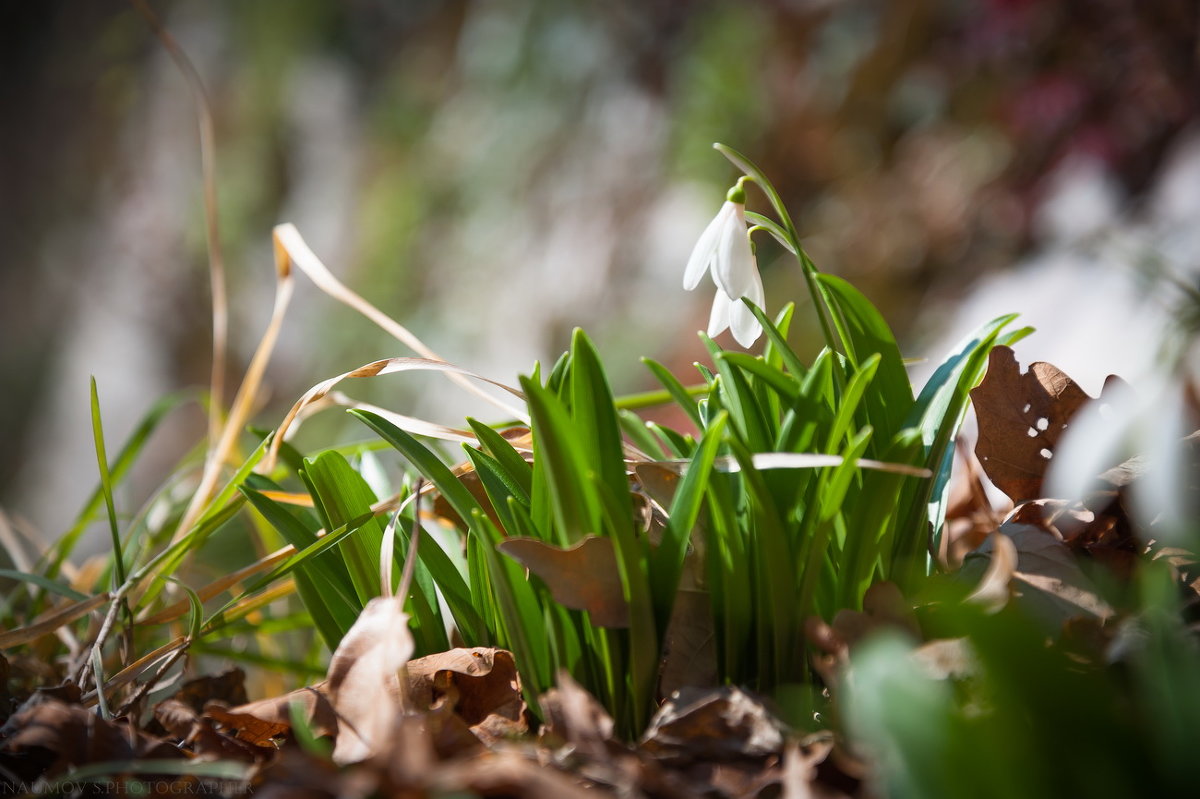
[(725, 251)]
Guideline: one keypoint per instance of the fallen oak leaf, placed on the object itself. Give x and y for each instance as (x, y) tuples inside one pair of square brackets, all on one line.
[(313, 701), (582, 577), (201, 735), (480, 686), (722, 724), (1022, 416), (246, 727), (575, 716)]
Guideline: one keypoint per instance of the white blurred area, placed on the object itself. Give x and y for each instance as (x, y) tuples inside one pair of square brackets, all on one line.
[(1097, 287)]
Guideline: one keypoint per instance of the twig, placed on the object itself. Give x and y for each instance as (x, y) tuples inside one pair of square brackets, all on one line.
[(410, 561), (114, 607), (148, 686)]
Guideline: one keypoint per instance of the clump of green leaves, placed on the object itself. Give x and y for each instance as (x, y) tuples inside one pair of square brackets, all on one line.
[(802, 484)]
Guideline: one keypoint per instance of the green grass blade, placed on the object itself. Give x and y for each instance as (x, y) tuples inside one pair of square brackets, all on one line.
[(499, 487), (871, 522), (521, 613), (831, 491), (643, 641), (428, 626), (787, 387), (341, 494), (680, 446), (559, 458), (119, 468), (46, 583), (745, 413), (195, 610), (938, 414), (106, 488), (599, 432), (515, 466), (304, 556), (854, 393), (641, 435), (323, 583), (425, 461)]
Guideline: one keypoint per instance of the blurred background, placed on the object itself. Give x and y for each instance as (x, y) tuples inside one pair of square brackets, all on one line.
[(493, 174)]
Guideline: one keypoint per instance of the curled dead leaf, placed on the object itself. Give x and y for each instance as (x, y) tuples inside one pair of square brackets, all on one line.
[(721, 724), (312, 700), (364, 679), (479, 686), (203, 736), (575, 716), (246, 727), (992, 592), (1048, 581)]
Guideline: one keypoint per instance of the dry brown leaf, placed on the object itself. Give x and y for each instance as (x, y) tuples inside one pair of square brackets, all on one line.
[(364, 679), (883, 606), (228, 687), (658, 482), (313, 700), (690, 644), (52, 735), (52, 620), (246, 727), (723, 725), (992, 592), (575, 716), (200, 734), (506, 774), (480, 686), (1047, 581), (582, 577), (947, 659), (1022, 415)]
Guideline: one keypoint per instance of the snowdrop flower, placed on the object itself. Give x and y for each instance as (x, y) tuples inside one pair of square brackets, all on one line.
[(725, 250)]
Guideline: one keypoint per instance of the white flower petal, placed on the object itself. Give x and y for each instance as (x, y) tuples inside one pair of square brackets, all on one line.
[(718, 319), (755, 293), (735, 267), (746, 328), (705, 249)]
